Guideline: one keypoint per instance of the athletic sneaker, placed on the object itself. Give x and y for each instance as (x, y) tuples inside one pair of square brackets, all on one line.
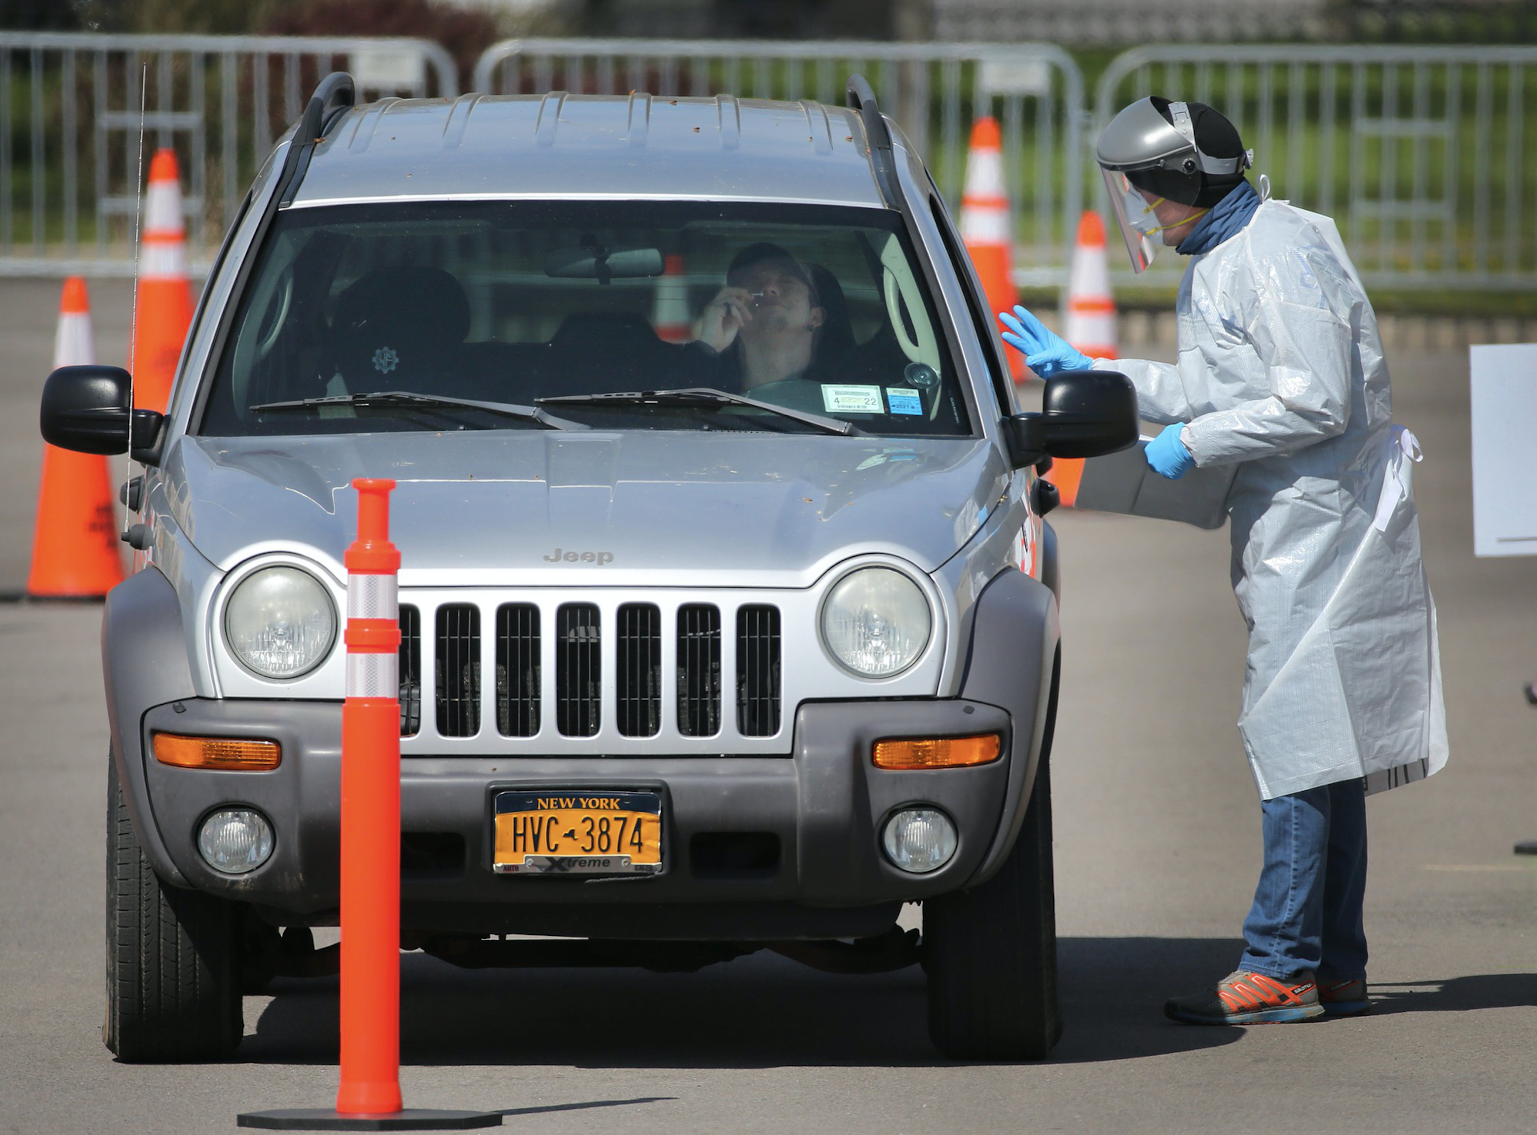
[(1344, 998), (1245, 998)]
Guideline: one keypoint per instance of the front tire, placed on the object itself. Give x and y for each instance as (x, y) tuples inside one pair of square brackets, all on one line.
[(991, 952), (173, 965)]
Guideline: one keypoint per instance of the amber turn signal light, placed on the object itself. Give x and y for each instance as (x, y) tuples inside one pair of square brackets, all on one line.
[(937, 752), (217, 753)]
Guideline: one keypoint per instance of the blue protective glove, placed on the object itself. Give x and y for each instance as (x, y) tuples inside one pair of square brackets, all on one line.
[(1168, 455), (1045, 352)]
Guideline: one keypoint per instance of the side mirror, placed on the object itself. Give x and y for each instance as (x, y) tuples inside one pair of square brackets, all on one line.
[(85, 408), (1085, 413)]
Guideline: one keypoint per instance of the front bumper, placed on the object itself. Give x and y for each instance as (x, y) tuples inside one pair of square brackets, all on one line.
[(754, 847)]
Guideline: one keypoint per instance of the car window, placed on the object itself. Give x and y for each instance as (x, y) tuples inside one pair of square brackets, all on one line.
[(814, 308), (982, 316)]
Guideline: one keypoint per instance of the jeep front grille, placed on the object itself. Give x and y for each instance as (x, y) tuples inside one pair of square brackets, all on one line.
[(410, 671), (458, 670), (757, 671), (517, 670), (576, 676), (698, 670), (640, 670), (578, 670)]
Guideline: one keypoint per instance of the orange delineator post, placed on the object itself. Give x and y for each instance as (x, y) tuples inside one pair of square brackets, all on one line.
[(370, 823), (369, 1096)]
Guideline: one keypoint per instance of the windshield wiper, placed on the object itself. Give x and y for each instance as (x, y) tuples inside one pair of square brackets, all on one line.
[(702, 397), (405, 399)]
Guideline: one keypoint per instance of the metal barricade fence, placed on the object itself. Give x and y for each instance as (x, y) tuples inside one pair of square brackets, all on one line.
[(70, 116), (1418, 152), (934, 91), (1421, 154)]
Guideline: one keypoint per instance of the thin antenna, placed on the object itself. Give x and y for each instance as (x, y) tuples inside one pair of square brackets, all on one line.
[(138, 209), (133, 325)]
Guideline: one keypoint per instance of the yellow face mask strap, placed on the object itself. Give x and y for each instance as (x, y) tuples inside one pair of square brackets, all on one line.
[(1176, 224)]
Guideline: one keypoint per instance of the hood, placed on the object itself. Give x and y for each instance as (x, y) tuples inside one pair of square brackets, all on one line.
[(662, 508)]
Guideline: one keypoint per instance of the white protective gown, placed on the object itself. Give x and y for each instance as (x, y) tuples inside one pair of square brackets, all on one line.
[(1281, 369)]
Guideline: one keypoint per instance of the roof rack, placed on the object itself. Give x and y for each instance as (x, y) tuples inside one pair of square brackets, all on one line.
[(860, 98), (335, 92)]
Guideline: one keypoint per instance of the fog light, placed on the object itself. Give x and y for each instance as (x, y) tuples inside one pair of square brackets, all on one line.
[(235, 840), (919, 840)]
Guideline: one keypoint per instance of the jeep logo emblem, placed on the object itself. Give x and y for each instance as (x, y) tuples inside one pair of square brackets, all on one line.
[(560, 555)]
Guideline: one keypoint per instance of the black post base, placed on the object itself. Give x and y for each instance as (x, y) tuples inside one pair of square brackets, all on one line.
[(1527, 847), (408, 1119)]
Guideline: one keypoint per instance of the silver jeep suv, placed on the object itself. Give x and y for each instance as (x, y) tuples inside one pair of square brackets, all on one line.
[(719, 523)]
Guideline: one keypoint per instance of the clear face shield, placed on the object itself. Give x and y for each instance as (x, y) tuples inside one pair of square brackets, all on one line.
[(1134, 215), (1165, 155)]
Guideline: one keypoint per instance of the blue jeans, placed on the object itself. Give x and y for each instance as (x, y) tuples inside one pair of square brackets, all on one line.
[(1307, 908)]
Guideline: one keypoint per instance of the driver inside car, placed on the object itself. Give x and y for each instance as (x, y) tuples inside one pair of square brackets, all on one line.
[(775, 320)]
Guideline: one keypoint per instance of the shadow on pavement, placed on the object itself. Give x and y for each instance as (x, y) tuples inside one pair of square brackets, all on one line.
[(1113, 990), (1456, 994), (758, 1011), (583, 1106)]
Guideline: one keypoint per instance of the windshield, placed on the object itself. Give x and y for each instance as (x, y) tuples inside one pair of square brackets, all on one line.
[(815, 309)]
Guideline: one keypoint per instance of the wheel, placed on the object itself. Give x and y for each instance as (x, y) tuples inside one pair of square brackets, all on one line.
[(173, 966), (991, 953)]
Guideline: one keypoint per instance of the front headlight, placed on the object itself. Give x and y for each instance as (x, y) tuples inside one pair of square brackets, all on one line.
[(280, 622), (876, 622)]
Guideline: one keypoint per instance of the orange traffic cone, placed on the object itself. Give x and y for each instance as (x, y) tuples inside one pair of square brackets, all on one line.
[(163, 305), (669, 311), (1090, 324), (985, 226), (74, 543)]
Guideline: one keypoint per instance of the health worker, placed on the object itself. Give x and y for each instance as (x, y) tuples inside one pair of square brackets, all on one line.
[(1281, 373)]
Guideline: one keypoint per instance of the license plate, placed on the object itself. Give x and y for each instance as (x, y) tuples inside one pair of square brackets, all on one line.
[(578, 832)]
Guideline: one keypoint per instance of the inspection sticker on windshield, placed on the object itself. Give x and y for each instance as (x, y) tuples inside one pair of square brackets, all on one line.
[(903, 401), (838, 399)]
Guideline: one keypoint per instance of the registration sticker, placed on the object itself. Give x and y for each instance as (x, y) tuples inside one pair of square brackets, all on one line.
[(578, 832), (903, 401), (838, 399)]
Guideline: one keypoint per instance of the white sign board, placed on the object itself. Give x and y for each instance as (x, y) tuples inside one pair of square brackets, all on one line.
[(387, 68), (1504, 381), (1016, 77)]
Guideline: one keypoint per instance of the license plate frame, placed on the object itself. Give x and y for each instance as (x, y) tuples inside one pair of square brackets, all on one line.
[(563, 831)]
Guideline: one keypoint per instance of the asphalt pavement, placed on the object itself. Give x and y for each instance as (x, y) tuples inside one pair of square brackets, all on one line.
[(1157, 829)]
